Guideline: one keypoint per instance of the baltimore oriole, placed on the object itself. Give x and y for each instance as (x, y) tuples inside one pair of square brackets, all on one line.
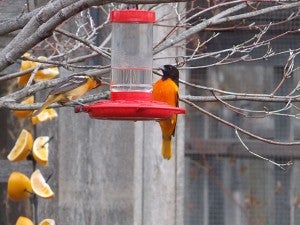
[(74, 87), (166, 90)]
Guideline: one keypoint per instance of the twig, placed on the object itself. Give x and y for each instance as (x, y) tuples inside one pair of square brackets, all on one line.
[(35, 208), (237, 127), (29, 82), (18, 106), (46, 142), (49, 177), (4, 77), (258, 98), (180, 37), (83, 41), (264, 113), (282, 166), (288, 69), (223, 17)]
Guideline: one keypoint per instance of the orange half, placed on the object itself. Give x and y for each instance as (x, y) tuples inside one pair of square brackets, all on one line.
[(18, 186)]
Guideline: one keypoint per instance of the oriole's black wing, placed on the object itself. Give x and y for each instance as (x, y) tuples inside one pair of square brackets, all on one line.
[(71, 83)]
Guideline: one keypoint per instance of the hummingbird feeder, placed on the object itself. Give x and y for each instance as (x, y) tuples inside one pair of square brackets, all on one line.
[(131, 71)]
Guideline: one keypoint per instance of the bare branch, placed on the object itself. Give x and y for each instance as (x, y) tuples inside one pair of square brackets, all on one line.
[(85, 42), (221, 18), (17, 23), (41, 27), (282, 166), (83, 100), (171, 41), (235, 127)]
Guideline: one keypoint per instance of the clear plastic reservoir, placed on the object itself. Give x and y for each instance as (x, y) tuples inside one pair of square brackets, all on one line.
[(132, 55)]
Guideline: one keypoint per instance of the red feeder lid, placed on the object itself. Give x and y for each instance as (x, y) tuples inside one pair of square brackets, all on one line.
[(141, 108), (132, 16)]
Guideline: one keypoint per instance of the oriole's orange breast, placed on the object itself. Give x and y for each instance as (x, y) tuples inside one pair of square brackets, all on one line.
[(166, 91)]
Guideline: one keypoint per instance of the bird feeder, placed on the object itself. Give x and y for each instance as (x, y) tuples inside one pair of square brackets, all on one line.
[(131, 71)]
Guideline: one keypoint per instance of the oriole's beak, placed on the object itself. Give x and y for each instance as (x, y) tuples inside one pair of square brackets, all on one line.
[(162, 68), (99, 80)]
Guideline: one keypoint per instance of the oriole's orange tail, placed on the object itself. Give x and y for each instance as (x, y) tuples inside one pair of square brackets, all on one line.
[(166, 149)]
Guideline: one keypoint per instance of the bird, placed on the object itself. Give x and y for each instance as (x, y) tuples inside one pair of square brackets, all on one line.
[(71, 89), (166, 90)]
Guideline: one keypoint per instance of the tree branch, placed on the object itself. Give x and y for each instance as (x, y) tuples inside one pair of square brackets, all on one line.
[(182, 36), (30, 90), (221, 18), (40, 27), (237, 128), (17, 23), (245, 97), (83, 41), (83, 100)]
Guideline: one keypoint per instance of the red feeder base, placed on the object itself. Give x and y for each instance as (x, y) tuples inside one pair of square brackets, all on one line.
[(130, 106)]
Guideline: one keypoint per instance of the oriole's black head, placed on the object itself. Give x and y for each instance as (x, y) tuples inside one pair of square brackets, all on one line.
[(172, 72)]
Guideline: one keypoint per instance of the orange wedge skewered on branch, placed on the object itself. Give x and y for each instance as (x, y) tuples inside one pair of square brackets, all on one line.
[(22, 147), (18, 186), (39, 185), (40, 150), (45, 115)]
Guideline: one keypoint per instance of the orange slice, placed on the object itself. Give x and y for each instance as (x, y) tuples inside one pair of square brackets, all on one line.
[(22, 147), (18, 186), (39, 185), (22, 80), (24, 113), (43, 74), (40, 150), (45, 115), (46, 74), (47, 222), (25, 65), (22, 220)]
